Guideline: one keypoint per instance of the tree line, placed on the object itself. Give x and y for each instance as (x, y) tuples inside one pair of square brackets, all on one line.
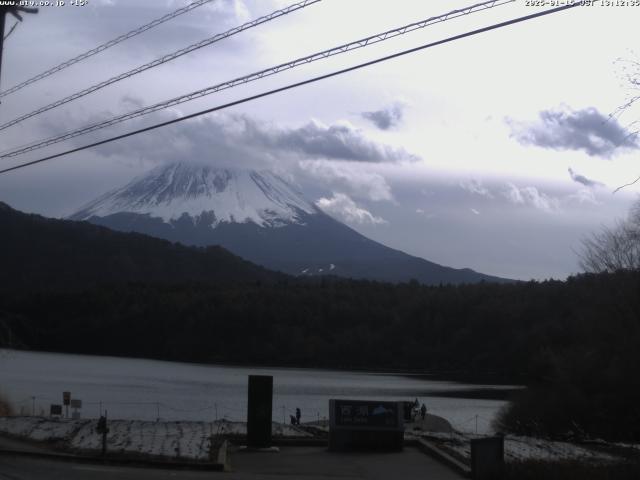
[(575, 343)]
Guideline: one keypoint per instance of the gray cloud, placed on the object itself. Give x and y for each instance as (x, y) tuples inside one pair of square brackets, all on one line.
[(386, 118), (587, 182), (240, 139), (336, 142), (586, 129)]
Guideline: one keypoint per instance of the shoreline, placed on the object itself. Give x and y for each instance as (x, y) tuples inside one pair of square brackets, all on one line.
[(490, 378)]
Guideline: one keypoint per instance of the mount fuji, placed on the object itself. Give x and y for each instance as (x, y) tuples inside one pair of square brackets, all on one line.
[(260, 217)]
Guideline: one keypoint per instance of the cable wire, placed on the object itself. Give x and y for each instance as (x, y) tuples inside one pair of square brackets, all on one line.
[(164, 59), (11, 30), (298, 84), (104, 46), (361, 43)]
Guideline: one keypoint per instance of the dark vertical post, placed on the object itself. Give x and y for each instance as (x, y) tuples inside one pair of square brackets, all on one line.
[(259, 409), (3, 13), (14, 9), (487, 458), (104, 435), (103, 430), (66, 399)]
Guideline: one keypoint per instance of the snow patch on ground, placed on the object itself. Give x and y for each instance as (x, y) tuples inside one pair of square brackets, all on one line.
[(38, 428), (186, 440), (191, 440), (517, 448)]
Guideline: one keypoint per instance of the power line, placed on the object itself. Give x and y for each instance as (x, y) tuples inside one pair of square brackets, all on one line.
[(361, 43), (162, 60), (104, 46), (298, 84), (11, 30)]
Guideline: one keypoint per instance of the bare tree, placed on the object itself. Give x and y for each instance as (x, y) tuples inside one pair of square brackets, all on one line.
[(615, 248), (629, 70)]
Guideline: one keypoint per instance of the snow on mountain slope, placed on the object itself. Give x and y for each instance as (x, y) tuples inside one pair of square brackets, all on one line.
[(233, 196), (239, 210)]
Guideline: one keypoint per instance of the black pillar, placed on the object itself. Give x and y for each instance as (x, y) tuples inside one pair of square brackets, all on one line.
[(487, 458), (3, 12), (259, 411)]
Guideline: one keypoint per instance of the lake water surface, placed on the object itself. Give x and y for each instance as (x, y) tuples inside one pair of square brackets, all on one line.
[(147, 389)]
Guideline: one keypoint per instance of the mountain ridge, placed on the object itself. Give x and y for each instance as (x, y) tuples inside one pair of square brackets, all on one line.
[(42, 253), (277, 227)]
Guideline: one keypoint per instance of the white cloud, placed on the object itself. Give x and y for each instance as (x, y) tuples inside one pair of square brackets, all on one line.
[(475, 212), (343, 207), (530, 196), (241, 11), (353, 177), (425, 214), (236, 9), (475, 186), (584, 195)]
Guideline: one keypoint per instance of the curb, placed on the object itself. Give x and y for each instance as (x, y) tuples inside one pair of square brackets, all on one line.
[(431, 449), (283, 441), (301, 442), (221, 463), (109, 460), (222, 456)]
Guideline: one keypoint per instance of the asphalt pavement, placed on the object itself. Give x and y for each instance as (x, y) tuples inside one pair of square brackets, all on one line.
[(304, 463), (30, 468)]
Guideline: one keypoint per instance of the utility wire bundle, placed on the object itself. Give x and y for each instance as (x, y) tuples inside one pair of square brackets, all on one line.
[(357, 44), (104, 46), (164, 59)]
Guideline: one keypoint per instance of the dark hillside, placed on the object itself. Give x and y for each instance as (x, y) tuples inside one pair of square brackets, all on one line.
[(42, 253)]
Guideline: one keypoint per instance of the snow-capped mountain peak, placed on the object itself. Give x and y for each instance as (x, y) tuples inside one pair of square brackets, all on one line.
[(202, 205), (225, 195)]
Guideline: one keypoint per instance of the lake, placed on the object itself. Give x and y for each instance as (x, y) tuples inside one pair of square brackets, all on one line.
[(148, 389)]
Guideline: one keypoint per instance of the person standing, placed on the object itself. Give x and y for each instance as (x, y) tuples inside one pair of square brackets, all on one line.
[(298, 415), (423, 411)]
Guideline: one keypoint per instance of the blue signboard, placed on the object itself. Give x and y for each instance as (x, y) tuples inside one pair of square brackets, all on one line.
[(358, 413)]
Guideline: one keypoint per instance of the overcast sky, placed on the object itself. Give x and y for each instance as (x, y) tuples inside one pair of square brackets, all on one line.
[(494, 152)]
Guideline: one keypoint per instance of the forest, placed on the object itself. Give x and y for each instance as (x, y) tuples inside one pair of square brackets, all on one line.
[(574, 343)]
